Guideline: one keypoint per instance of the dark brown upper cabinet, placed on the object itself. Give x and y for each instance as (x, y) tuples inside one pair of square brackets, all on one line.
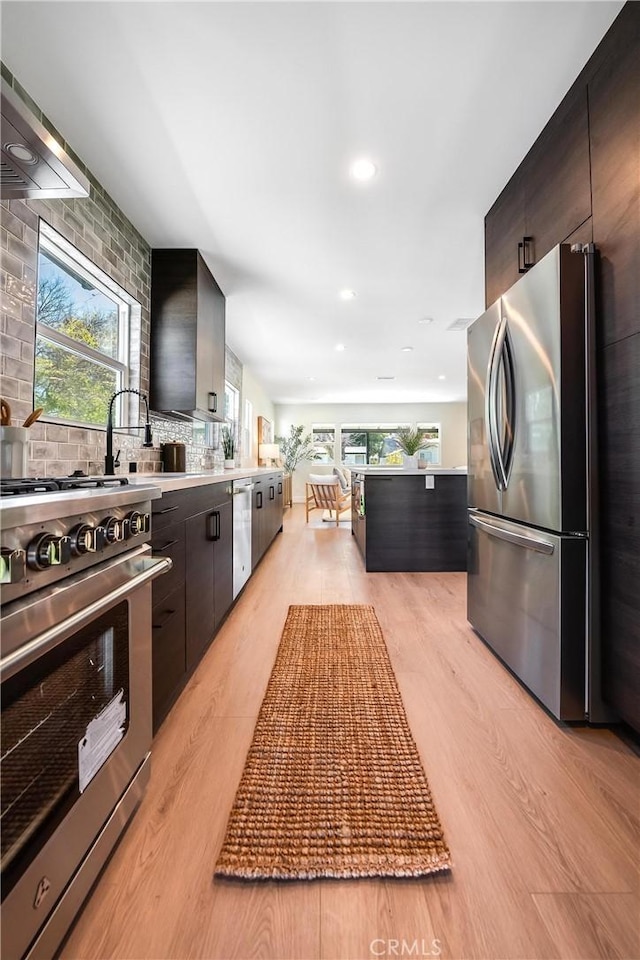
[(545, 201), (187, 336), (504, 228), (614, 119)]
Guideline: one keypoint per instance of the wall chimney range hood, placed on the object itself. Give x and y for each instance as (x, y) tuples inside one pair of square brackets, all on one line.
[(34, 164)]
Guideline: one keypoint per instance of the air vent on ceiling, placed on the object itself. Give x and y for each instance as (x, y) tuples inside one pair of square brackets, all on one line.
[(385, 378), (461, 323), (33, 162)]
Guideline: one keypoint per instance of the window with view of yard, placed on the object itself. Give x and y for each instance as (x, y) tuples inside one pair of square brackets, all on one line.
[(324, 441), (82, 334), (377, 444)]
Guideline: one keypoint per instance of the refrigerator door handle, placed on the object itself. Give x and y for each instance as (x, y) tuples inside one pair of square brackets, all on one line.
[(491, 411), (508, 363), (519, 539)]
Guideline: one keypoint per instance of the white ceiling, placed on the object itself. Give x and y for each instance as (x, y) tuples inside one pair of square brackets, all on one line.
[(231, 126)]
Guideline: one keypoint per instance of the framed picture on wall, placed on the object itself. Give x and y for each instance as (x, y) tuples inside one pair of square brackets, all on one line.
[(264, 430)]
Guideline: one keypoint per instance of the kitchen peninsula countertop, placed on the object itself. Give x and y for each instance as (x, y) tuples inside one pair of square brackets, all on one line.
[(410, 472), (182, 481)]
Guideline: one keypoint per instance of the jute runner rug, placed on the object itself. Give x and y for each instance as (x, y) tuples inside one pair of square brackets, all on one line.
[(333, 785)]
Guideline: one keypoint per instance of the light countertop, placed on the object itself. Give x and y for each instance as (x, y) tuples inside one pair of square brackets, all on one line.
[(410, 472), (182, 481)]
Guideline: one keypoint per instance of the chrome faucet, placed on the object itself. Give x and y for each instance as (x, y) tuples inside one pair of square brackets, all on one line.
[(109, 462)]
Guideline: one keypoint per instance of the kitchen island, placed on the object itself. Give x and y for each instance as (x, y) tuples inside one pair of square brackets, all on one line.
[(410, 520)]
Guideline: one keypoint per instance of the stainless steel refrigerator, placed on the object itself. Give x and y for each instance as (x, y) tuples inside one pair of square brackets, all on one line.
[(532, 572)]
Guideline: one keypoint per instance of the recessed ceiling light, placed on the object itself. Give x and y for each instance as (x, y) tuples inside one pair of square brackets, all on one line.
[(339, 346), (425, 320), (309, 378), (385, 378), (406, 349), (348, 294), (363, 169), (442, 377)]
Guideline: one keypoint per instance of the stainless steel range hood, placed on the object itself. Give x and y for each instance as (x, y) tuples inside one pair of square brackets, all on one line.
[(34, 164)]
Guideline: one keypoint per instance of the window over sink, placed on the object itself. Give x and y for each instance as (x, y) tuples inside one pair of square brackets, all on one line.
[(84, 324)]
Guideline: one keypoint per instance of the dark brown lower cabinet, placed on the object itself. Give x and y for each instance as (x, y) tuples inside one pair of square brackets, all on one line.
[(200, 595), (195, 528), (266, 514), (169, 653)]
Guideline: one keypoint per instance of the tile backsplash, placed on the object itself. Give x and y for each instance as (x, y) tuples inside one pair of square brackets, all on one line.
[(58, 450), (102, 232)]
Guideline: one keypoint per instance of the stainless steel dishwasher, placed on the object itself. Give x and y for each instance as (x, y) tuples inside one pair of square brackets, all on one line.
[(242, 490)]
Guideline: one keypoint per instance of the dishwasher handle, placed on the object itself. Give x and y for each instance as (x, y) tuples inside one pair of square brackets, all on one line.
[(246, 486)]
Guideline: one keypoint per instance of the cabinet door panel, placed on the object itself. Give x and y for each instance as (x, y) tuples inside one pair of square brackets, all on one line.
[(223, 563), (199, 588), (211, 334), (504, 226), (614, 116), (258, 512), (187, 336), (620, 525), (169, 542), (169, 656), (556, 174)]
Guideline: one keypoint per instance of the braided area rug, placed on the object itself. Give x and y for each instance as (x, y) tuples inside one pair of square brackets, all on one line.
[(333, 785)]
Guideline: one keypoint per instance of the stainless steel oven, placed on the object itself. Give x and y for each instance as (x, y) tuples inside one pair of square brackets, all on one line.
[(76, 707)]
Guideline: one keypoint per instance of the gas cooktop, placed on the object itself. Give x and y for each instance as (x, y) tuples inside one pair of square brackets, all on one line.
[(11, 487)]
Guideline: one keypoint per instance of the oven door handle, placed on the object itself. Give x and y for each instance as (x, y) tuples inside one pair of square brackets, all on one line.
[(23, 656)]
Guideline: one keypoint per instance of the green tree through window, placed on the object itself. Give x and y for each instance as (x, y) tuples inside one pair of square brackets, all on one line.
[(81, 355)]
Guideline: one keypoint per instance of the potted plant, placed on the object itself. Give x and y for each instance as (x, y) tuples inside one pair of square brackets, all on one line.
[(411, 441), (296, 448), (228, 447)]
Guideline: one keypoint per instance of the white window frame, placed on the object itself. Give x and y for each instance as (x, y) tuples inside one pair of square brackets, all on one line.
[(325, 428), (53, 243), (430, 426)]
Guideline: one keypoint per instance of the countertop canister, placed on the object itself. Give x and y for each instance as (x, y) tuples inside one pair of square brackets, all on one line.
[(14, 452), (174, 457)]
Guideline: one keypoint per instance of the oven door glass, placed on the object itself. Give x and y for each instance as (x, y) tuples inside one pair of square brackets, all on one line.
[(62, 717)]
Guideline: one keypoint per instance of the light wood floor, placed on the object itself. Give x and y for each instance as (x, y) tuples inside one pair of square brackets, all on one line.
[(542, 821)]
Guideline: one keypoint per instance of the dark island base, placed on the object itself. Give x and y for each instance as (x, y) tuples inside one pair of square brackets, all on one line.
[(408, 528)]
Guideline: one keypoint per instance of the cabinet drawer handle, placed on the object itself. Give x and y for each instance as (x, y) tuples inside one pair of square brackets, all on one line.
[(157, 513), (165, 620), (165, 546), (524, 263), (213, 525), (213, 403), (259, 500), (272, 493), (280, 487)]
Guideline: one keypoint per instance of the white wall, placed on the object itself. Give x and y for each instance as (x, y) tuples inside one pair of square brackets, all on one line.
[(253, 391), (452, 418)]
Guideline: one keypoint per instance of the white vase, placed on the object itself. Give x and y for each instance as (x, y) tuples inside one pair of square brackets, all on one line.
[(229, 464), (410, 461)]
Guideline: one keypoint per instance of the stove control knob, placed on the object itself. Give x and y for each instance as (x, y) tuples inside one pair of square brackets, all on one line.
[(86, 539), (114, 529), (11, 565), (138, 523), (46, 551)]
